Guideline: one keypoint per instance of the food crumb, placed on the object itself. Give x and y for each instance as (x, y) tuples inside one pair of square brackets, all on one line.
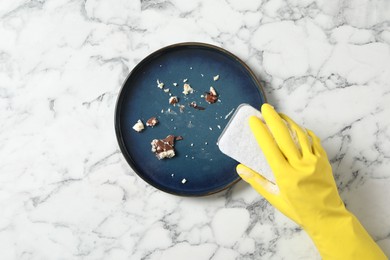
[(216, 77), (139, 126), (152, 122), (163, 148), (172, 175), (166, 90), (227, 116), (175, 84), (202, 75), (194, 105), (211, 129), (183, 181), (219, 127), (185, 80), (187, 89), (173, 100), (192, 144), (212, 96), (160, 84), (206, 143)]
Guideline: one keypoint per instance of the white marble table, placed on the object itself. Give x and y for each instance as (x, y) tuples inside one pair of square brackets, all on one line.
[(66, 191)]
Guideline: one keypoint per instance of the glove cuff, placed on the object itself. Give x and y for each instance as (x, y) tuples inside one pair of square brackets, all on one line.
[(339, 235)]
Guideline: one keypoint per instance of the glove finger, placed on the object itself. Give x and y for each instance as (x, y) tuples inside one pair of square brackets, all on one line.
[(316, 146), (303, 138), (268, 145), (280, 132), (266, 188)]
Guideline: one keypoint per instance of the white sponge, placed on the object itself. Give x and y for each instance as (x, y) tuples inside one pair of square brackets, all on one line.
[(238, 142)]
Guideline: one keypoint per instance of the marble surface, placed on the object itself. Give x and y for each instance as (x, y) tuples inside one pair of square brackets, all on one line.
[(66, 191)]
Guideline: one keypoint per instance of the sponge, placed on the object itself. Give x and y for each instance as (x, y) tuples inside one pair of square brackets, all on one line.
[(238, 142)]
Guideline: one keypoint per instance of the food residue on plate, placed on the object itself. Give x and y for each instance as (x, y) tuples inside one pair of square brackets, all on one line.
[(160, 84), (194, 105), (215, 78), (163, 148), (139, 126), (152, 122), (187, 89), (173, 100), (212, 96)]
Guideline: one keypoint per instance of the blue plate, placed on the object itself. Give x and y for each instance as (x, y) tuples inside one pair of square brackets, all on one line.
[(198, 160)]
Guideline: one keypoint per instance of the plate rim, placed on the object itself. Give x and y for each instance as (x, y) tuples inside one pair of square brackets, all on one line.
[(118, 105)]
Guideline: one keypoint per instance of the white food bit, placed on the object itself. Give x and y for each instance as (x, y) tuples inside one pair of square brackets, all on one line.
[(202, 75), (216, 77), (165, 154), (171, 119), (226, 117), (185, 80), (187, 89), (206, 143), (162, 111), (192, 144), (175, 127), (202, 96), (172, 174), (166, 90), (139, 126), (175, 84), (186, 156), (219, 127), (212, 91), (190, 68), (160, 84), (169, 110), (210, 129), (183, 181), (192, 157)]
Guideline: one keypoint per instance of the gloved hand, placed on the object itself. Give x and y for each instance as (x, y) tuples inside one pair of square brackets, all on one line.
[(307, 192)]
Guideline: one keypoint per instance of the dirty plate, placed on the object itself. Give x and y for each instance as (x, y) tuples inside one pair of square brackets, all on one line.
[(198, 168)]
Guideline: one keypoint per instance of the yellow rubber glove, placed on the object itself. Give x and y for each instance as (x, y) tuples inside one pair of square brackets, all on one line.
[(307, 192)]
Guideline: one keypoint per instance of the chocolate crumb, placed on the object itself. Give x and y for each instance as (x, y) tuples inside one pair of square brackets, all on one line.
[(173, 100), (194, 105), (212, 96), (164, 148), (152, 122)]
